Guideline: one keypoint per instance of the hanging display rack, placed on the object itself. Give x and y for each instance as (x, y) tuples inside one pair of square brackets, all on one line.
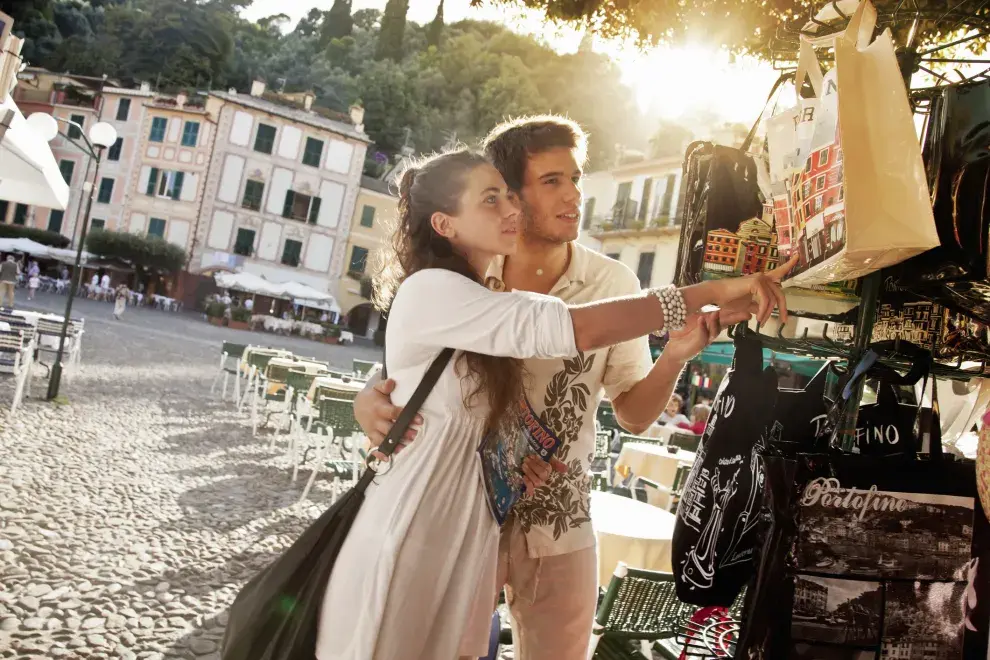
[(905, 18)]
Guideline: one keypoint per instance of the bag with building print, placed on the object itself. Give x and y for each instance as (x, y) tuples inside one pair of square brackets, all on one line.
[(727, 225), (850, 193), (715, 533)]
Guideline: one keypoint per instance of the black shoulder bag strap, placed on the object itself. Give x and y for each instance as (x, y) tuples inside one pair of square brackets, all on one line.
[(409, 411)]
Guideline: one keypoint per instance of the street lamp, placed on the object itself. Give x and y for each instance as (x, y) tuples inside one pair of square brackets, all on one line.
[(101, 136)]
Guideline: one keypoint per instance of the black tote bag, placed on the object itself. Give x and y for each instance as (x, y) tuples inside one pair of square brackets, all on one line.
[(715, 530), (276, 615)]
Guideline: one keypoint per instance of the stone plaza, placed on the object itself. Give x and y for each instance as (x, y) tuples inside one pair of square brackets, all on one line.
[(132, 510)]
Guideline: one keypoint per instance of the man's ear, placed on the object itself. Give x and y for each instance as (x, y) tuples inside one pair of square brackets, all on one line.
[(443, 225)]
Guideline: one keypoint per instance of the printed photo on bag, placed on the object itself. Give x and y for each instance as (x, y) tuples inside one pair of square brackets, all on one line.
[(869, 532), (923, 620), (837, 611), (815, 652)]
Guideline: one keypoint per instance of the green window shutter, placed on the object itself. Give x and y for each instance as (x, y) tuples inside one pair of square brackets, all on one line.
[(287, 208), (177, 185), (152, 181), (314, 210)]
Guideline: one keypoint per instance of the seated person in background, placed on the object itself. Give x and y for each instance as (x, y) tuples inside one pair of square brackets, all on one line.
[(672, 415), (699, 419)]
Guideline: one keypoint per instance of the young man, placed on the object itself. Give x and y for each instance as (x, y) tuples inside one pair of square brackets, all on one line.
[(547, 558)]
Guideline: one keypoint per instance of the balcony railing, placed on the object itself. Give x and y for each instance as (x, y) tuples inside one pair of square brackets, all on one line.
[(626, 220)]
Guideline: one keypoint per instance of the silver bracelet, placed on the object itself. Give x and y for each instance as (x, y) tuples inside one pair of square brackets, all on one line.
[(674, 308)]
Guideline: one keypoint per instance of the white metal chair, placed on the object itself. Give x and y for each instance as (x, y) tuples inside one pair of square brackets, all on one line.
[(336, 420), (229, 351), (16, 360)]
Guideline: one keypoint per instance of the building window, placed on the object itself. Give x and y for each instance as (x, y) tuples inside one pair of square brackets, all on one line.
[(301, 207), (644, 271), (156, 227), (589, 213), (4, 208), (114, 153), (359, 261), (668, 197), (291, 252), (820, 183), (367, 216), (123, 109), (253, 191), (613, 255), (823, 158), (158, 125), (244, 243), (190, 133), (312, 152), (55, 220), (165, 183), (20, 214), (264, 140), (67, 167), (106, 190), (97, 224), (644, 204), (74, 132)]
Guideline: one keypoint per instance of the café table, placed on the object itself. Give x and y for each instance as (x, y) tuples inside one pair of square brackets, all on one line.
[(630, 531)]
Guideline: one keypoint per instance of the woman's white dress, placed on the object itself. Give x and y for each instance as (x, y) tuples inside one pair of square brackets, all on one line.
[(415, 579)]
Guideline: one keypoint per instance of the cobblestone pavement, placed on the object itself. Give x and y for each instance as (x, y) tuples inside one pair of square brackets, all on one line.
[(130, 515)]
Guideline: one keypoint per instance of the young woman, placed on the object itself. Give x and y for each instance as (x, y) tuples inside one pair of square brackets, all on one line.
[(415, 579), (120, 296)]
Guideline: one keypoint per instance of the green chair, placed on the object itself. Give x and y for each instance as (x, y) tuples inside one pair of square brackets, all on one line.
[(685, 441), (673, 493), (335, 420), (629, 437), (229, 351), (363, 367), (601, 463), (638, 606), (271, 394), (605, 416), (257, 363)]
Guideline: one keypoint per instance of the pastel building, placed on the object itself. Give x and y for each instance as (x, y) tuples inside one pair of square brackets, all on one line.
[(280, 189)]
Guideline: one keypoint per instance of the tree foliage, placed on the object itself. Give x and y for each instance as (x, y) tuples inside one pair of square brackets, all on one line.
[(457, 90), (42, 236), (435, 32), (148, 252), (392, 31), (747, 25)]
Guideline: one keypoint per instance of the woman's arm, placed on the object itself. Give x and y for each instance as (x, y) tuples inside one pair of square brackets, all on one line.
[(609, 322)]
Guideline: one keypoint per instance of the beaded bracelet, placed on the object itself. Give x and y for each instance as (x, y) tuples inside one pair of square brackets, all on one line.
[(674, 308)]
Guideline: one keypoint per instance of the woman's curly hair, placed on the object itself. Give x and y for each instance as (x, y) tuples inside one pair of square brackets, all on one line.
[(431, 186)]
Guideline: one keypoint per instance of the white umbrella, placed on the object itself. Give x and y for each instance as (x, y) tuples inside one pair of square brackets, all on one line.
[(28, 171), (249, 283), (67, 256), (305, 292), (24, 245)]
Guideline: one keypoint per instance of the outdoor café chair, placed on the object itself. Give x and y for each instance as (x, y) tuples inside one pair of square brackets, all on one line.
[(271, 395), (229, 351), (362, 368), (16, 361), (336, 420), (673, 492), (257, 363)]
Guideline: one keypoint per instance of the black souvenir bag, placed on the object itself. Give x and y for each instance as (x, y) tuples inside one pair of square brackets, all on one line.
[(866, 557), (715, 531), (276, 615)]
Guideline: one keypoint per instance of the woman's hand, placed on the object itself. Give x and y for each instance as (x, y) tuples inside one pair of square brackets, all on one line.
[(760, 292), (536, 472)]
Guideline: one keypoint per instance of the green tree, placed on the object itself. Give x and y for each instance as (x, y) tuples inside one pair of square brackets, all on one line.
[(337, 23), (310, 24), (435, 32), (149, 252), (392, 31)]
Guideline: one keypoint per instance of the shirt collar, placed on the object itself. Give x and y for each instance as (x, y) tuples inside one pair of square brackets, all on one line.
[(576, 273)]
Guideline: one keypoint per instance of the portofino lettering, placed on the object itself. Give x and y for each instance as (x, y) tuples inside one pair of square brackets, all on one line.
[(828, 493)]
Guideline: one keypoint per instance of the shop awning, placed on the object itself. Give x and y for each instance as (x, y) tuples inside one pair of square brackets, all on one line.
[(249, 283), (28, 171), (24, 246)]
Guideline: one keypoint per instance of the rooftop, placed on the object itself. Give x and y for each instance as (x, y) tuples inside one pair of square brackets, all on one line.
[(377, 185), (287, 111)]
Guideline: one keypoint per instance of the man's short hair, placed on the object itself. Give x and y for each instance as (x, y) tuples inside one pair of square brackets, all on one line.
[(510, 143)]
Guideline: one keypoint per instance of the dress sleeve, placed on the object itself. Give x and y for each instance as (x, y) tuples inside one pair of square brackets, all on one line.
[(438, 308)]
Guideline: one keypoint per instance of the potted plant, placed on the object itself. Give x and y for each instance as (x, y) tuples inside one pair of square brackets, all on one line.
[(214, 312), (331, 333), (240, 319)]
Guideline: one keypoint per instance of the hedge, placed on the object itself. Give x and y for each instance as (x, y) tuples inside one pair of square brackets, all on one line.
[(144, 251), (54, 239)]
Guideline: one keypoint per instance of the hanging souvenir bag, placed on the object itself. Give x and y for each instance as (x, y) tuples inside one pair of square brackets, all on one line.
[(848, 164), (867, 556), (715, 530), (276, 615)]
